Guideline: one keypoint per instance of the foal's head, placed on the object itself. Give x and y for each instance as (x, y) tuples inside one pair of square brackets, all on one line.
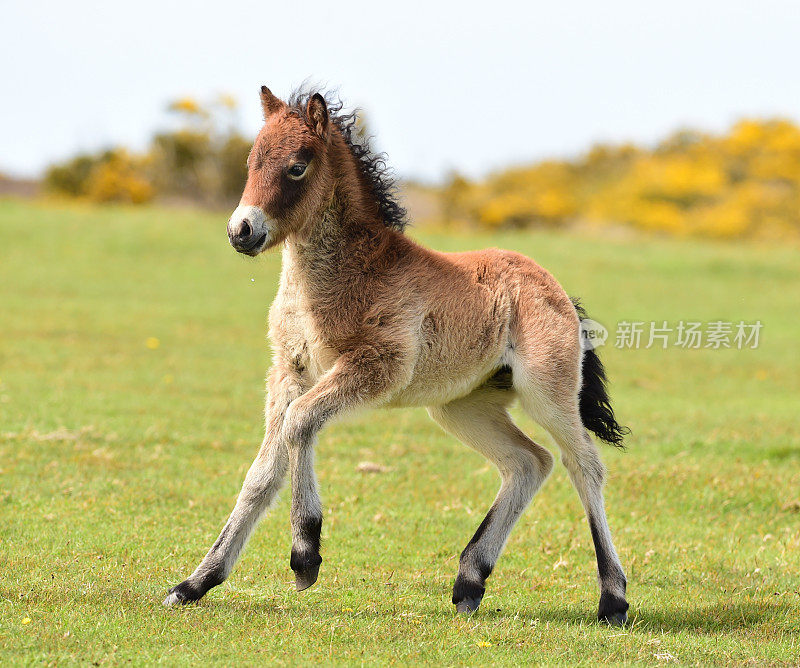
[(290, 176), (306, 149)]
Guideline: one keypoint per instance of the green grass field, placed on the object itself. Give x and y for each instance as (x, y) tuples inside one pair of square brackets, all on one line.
[(132, 359)]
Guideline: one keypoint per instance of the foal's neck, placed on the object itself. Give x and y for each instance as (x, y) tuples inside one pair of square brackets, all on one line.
[(347, 231)]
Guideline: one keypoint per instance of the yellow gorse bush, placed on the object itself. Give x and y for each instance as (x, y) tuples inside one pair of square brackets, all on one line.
[(742, 184), (201, 160), (118, 179)]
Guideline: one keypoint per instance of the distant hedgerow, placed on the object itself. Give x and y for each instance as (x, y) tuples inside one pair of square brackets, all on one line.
[(741, 184)]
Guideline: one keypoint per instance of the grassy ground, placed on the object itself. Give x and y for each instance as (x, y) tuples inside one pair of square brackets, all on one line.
[(132, 358)]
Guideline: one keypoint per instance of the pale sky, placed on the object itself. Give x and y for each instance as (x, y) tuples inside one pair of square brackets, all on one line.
[(445, 85)]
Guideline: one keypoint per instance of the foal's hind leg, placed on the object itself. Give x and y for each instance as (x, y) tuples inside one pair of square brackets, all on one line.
[(481, 421), (582, 460)]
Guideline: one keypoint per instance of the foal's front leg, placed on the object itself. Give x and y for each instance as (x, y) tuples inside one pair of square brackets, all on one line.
[(356, 379), (262, 483)]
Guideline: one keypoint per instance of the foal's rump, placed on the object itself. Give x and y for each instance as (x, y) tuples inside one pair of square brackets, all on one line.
[(495, 318), (541, 328)]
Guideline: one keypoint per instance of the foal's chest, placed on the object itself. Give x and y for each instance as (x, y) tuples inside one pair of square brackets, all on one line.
[(298, 334)]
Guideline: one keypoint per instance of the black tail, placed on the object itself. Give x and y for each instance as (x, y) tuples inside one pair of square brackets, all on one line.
[(594, 405)]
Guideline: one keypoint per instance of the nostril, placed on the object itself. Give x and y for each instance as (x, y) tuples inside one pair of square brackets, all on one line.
[(244, 229)]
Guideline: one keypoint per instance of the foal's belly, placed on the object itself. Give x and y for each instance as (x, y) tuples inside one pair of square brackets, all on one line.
[(439, 391), (447, 370)]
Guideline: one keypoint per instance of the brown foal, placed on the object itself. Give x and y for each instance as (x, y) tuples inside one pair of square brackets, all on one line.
[(365, 317)]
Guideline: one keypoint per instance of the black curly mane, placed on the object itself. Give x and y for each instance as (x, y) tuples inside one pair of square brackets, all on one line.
[(373, 165)]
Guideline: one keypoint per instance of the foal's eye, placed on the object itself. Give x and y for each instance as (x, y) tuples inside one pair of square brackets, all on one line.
[(297, 171)]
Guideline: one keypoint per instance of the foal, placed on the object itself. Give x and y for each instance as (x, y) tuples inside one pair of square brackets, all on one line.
[(365, 317)]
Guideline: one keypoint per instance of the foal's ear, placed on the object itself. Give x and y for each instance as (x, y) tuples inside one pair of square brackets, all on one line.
[(269, 103), (317, 112)]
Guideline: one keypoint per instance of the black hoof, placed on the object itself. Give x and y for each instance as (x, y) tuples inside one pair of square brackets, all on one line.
[(468, 605), (467, 595), (183, 594), (304, 579), (616, 619), (613, 610)]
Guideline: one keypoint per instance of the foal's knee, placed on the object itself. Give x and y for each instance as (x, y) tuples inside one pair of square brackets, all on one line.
[(299, 426)]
